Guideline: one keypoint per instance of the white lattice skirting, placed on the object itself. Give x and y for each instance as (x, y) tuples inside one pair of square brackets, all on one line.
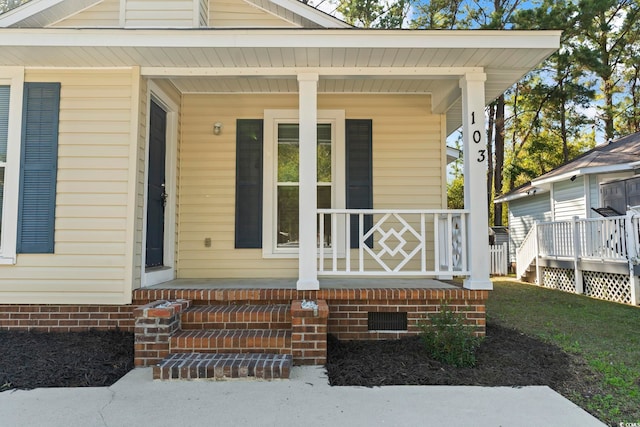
[(559, 278), (608, 286)]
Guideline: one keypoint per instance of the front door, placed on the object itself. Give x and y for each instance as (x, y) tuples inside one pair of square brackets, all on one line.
[(156, 194)]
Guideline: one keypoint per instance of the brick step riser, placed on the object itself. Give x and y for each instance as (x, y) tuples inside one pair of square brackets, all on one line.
[(280, 346), (242, 324), (222, 350), (223, 341), (203, 366), (238, 317)]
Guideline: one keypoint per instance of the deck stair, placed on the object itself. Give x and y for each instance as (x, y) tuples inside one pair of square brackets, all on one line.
[(230, 341)]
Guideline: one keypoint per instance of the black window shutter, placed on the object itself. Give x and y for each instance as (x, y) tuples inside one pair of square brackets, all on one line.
[(38, 168), (359, 176), (249, 149)]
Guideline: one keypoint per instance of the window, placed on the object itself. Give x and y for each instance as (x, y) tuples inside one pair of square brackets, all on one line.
[(281, 183), (11, 81), (287, 182)]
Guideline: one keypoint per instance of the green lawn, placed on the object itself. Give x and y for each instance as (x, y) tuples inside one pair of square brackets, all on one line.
[(606, 335)]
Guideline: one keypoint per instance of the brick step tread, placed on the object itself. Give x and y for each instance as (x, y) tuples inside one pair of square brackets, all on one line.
[(223, 366), (232, 340), (247, 316)]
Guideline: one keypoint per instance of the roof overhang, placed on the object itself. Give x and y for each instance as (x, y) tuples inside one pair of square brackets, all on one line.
[(542, 182), (521, 195), (406, 61), (453, 154)]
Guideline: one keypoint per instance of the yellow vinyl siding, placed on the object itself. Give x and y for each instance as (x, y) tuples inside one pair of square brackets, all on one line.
[(407, 170), (166, 13), (102, 15), (238, 13), (92, 233)]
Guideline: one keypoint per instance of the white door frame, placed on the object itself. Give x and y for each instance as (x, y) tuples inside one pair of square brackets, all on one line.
[(167, 272)]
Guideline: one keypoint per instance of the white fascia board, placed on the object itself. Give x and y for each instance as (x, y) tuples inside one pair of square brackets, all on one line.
[(311, 13), (453, 154), (25, 11), (294, 38), (584, 171), (517, 196), (340, 72)]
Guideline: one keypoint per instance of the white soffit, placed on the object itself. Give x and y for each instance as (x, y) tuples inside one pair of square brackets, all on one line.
[(380, 61)]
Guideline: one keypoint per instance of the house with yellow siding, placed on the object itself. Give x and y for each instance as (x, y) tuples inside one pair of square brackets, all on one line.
[(160, 159)]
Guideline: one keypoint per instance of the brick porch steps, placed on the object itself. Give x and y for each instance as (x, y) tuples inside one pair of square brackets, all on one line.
[(223, 366), (276, 341), (268, 316)]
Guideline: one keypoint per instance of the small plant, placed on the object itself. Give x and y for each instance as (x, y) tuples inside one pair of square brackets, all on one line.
[(448, 339)]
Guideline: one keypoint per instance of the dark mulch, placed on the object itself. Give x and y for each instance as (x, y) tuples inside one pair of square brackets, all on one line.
[(506, 357), (78, 359)]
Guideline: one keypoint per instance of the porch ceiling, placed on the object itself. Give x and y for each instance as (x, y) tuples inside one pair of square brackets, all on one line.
[(266, 61)]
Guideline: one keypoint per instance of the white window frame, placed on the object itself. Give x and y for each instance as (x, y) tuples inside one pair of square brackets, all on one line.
[(270, 167), (14, 78)]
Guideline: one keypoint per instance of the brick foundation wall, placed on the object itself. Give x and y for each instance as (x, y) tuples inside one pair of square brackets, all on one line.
[(348, 320), (66, 318), (348, 308)]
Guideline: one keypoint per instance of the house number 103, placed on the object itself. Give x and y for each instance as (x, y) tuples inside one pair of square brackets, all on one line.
[(477, 136)]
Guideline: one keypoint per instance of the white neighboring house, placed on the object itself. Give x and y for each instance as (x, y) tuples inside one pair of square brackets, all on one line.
[(603, 182)]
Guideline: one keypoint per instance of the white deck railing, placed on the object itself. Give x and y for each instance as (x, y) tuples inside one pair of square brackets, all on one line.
[(392, 242), (600, 238), (586, 243)]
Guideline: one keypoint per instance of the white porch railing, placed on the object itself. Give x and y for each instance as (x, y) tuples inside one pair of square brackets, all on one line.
[(377, 242)]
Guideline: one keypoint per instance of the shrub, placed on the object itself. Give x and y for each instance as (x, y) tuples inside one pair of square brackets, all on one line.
[(448, 339)]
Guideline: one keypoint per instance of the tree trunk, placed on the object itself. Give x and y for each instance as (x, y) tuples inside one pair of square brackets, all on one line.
[(499, 153), (608, 109)]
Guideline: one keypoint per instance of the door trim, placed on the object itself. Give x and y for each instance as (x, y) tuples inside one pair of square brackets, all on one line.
[(167, 272)]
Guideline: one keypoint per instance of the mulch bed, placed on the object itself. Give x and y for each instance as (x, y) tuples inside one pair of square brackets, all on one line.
[(506, 357), (78, 359)]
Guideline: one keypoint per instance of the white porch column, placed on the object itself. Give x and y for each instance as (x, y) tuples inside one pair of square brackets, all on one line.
[(308, 109), (475, 179)]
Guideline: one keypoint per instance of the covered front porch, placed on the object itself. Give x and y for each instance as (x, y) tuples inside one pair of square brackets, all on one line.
[(315, 157)]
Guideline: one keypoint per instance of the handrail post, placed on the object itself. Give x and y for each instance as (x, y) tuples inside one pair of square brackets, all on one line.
[(537, 251), (632, 237), (577, 272)]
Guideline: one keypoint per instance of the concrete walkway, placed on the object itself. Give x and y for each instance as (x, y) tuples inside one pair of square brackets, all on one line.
[(305, 400)]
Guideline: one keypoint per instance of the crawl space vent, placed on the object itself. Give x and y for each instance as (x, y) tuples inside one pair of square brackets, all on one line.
[(387, 321)]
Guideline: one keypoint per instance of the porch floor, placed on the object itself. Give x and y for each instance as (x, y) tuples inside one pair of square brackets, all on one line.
[(325, 283)]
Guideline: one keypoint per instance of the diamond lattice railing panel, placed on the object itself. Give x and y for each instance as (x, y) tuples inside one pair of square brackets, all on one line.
[(607, 286), (394, 250), (559, 278)]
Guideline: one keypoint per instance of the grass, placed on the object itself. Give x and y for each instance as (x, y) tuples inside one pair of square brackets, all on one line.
[(606, 335)]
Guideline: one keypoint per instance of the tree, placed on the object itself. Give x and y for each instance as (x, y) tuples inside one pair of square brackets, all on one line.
[(6, 5), (374, 13), (606, 30)]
